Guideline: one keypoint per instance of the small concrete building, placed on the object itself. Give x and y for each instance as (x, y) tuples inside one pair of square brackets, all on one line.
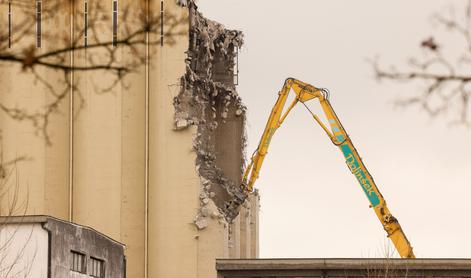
[(343, 268), (46, 247)]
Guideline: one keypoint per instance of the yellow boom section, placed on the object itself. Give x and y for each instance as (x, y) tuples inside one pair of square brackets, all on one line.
[(305, 92)]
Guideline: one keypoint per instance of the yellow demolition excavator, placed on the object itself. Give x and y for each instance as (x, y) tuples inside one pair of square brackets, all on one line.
[(305, 92)]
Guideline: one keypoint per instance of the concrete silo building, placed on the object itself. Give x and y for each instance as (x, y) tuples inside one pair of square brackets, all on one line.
[(152, 160)]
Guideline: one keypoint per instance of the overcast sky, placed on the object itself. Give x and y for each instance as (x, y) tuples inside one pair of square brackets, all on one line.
[(312, 206)]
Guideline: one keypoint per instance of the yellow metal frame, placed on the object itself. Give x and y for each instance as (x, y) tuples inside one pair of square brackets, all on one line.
[(305, 92)]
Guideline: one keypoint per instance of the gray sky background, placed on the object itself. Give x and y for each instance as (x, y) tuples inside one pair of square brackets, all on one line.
[(312, 206)]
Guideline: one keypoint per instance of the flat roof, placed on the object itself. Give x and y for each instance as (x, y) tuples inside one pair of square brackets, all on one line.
[(39, 219), (342, 263)]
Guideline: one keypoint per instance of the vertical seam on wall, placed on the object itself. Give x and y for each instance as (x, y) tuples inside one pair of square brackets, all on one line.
[(71, 118), (146, 167), (122, 127)]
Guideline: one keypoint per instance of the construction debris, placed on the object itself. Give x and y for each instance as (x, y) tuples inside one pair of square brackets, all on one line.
[(209, 101), (182, 3)]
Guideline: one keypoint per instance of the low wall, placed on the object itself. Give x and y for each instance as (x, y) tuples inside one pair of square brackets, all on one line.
[(273, 268)]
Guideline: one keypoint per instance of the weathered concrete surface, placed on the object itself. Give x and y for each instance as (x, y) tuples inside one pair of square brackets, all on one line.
[(65, 236), (209, 101), (177, 247), (426, 268)]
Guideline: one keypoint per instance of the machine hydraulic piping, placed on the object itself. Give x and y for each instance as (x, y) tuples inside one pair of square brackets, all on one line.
[(339, 137)]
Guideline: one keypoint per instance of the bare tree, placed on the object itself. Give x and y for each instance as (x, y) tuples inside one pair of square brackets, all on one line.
[(90, 41), (445, 75), (13, 262)]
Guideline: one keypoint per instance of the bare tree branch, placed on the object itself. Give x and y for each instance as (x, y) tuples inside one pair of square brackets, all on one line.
[(101, 54), (447, 79)]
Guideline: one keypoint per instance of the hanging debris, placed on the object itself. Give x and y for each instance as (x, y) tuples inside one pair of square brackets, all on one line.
[(182, 3), (208, 100)]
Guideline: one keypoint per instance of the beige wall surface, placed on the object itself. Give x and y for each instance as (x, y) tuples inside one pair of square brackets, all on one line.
[(115, 161), (43, 170)]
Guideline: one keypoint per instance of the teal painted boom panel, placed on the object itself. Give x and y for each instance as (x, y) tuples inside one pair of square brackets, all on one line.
[(359, 173)]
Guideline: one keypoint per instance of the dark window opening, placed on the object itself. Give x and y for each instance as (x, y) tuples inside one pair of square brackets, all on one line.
[(161, 23), (85, 31), (9, 24), (78, 262), (38, 22), (97, 268), (115, 22)]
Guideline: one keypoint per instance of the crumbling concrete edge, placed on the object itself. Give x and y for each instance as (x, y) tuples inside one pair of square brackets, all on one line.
[(199, 104)]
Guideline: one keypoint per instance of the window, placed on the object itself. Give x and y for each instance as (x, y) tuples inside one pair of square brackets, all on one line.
[(9, 24), (97, 268), (85, 31), (115, 22), (38, 22), (77, 263), (162, 23)]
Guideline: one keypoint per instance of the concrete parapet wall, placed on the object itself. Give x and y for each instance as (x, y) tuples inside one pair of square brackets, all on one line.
[(273, 268)]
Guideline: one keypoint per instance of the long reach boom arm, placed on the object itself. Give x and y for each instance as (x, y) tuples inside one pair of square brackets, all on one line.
[(305, 92)]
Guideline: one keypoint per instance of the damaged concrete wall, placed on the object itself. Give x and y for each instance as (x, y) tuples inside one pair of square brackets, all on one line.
[(209, 101), (188, 182)]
